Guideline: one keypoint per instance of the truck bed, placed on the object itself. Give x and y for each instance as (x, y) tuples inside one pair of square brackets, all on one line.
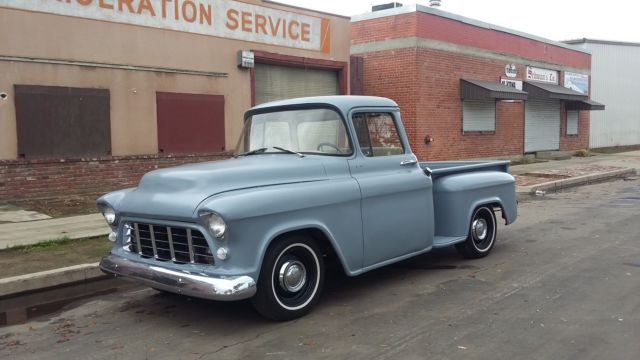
[(442, 168)]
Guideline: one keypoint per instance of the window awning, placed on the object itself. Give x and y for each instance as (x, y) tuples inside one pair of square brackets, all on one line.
[(488, 90), (552, 92), (585, 105)]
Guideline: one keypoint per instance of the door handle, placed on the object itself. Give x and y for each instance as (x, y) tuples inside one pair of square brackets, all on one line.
[(408, 162)]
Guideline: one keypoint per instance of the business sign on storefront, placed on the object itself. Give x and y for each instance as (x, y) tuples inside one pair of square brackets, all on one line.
[(542, 75), (221, 18), (516, 84), (577, 82), (510, 70)]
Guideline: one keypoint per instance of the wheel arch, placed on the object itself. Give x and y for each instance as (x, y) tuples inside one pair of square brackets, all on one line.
[(492, 203), (318, 233)]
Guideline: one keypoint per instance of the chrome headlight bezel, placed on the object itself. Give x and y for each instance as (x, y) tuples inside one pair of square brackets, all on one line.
[(109, 213), (215, 224)]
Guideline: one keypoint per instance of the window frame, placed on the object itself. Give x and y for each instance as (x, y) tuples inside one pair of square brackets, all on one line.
[(249, 114), (577, 124), (396, 126), (481, 131)]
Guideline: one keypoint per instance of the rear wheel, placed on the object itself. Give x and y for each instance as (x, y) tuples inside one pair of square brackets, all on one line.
[(482, 234), (291, 279)]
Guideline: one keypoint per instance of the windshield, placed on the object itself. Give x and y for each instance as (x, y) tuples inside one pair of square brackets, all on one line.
[(309, 131)]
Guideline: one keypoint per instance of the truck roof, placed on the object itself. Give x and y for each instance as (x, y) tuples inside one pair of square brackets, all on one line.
[(342, 102)]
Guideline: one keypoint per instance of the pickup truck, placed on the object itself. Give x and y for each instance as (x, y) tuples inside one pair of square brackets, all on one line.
[(312, 180)]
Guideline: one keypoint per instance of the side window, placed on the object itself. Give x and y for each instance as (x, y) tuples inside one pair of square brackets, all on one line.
[(377, 134), (478, 116), (572, 122)]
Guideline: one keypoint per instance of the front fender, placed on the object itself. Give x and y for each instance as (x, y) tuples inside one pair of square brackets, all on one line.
[(257, 216)]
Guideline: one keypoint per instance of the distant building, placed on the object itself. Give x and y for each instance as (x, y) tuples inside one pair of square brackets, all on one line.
[(468, 89), (615, 74)]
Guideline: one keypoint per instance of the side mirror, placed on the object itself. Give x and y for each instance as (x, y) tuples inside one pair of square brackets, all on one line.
[(428, 171)]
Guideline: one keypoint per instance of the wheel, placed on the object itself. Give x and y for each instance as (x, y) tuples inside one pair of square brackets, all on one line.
[(321, 145), (291, 279), (482, 234)]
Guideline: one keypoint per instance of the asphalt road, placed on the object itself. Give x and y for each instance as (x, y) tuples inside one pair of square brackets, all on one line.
[(563, 282)]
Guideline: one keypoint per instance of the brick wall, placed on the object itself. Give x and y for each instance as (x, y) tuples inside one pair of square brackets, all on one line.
[(426, 83), (434, 27), (42, 179)]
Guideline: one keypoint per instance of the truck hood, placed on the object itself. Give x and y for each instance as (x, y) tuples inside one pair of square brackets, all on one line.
[(176, 192)]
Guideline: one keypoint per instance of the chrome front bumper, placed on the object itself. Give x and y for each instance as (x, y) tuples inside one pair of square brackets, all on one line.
[(181, 282)]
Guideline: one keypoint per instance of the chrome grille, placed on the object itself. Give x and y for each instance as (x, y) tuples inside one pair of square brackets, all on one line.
[(168, 243)]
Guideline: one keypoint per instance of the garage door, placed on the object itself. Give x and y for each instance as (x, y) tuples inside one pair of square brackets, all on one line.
[(541, 125), (280, 82)]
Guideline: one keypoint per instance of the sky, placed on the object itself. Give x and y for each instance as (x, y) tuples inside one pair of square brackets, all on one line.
[(614, 20)]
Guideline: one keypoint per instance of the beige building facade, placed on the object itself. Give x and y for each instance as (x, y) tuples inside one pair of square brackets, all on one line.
[(94, 93), (136, 49)]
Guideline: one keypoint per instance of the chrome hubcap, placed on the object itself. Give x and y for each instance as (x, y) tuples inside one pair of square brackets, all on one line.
[(292, 276), (480, 229)]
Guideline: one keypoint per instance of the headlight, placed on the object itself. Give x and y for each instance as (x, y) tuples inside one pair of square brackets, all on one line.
[(109, 214), (216, 225)]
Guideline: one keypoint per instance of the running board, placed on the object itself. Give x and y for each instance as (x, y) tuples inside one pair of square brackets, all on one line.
[(444, 241)]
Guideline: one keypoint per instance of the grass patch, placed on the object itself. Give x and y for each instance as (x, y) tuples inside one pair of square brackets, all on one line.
[(49, 244), (52, 254)]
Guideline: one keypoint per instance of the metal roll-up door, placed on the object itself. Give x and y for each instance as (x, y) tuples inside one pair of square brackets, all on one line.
[(479, 115), (542, 125), (275, 82)]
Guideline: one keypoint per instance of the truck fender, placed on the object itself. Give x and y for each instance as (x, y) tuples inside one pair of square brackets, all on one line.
[(283, 229)]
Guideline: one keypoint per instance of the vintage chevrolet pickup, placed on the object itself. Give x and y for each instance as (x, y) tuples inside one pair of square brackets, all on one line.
[(311, 180)]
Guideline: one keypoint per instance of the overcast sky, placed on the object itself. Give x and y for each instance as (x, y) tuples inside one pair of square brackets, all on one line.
[(616, 20)]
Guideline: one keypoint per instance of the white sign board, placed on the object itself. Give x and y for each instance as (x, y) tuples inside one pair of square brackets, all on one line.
[(577, 82), (221, 18), (516, 84), (542, 75)]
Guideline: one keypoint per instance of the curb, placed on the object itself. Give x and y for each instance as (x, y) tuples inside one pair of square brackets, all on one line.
[(50, 278), (576, 181)]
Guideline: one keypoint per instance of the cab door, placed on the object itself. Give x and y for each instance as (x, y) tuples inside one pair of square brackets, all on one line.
[(396, 195)]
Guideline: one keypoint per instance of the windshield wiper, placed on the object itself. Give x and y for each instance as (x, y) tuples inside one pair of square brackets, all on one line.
[(252, 152), (289, 151)]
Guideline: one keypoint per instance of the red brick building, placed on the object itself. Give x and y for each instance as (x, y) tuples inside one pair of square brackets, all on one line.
[(468, 89)]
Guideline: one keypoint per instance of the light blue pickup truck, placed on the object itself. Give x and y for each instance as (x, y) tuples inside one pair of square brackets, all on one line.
[(312, 180)]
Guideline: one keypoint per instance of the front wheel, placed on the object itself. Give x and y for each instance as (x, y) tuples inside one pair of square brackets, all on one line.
[(482, 234), (291, 279)]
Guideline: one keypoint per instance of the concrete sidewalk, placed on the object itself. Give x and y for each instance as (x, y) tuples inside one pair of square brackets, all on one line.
[(33, 232), (543, 176), (554, 175)]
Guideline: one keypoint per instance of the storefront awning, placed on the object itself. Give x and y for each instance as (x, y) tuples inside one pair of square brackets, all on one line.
[(585, 105), (552, 92), (488, 90)]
